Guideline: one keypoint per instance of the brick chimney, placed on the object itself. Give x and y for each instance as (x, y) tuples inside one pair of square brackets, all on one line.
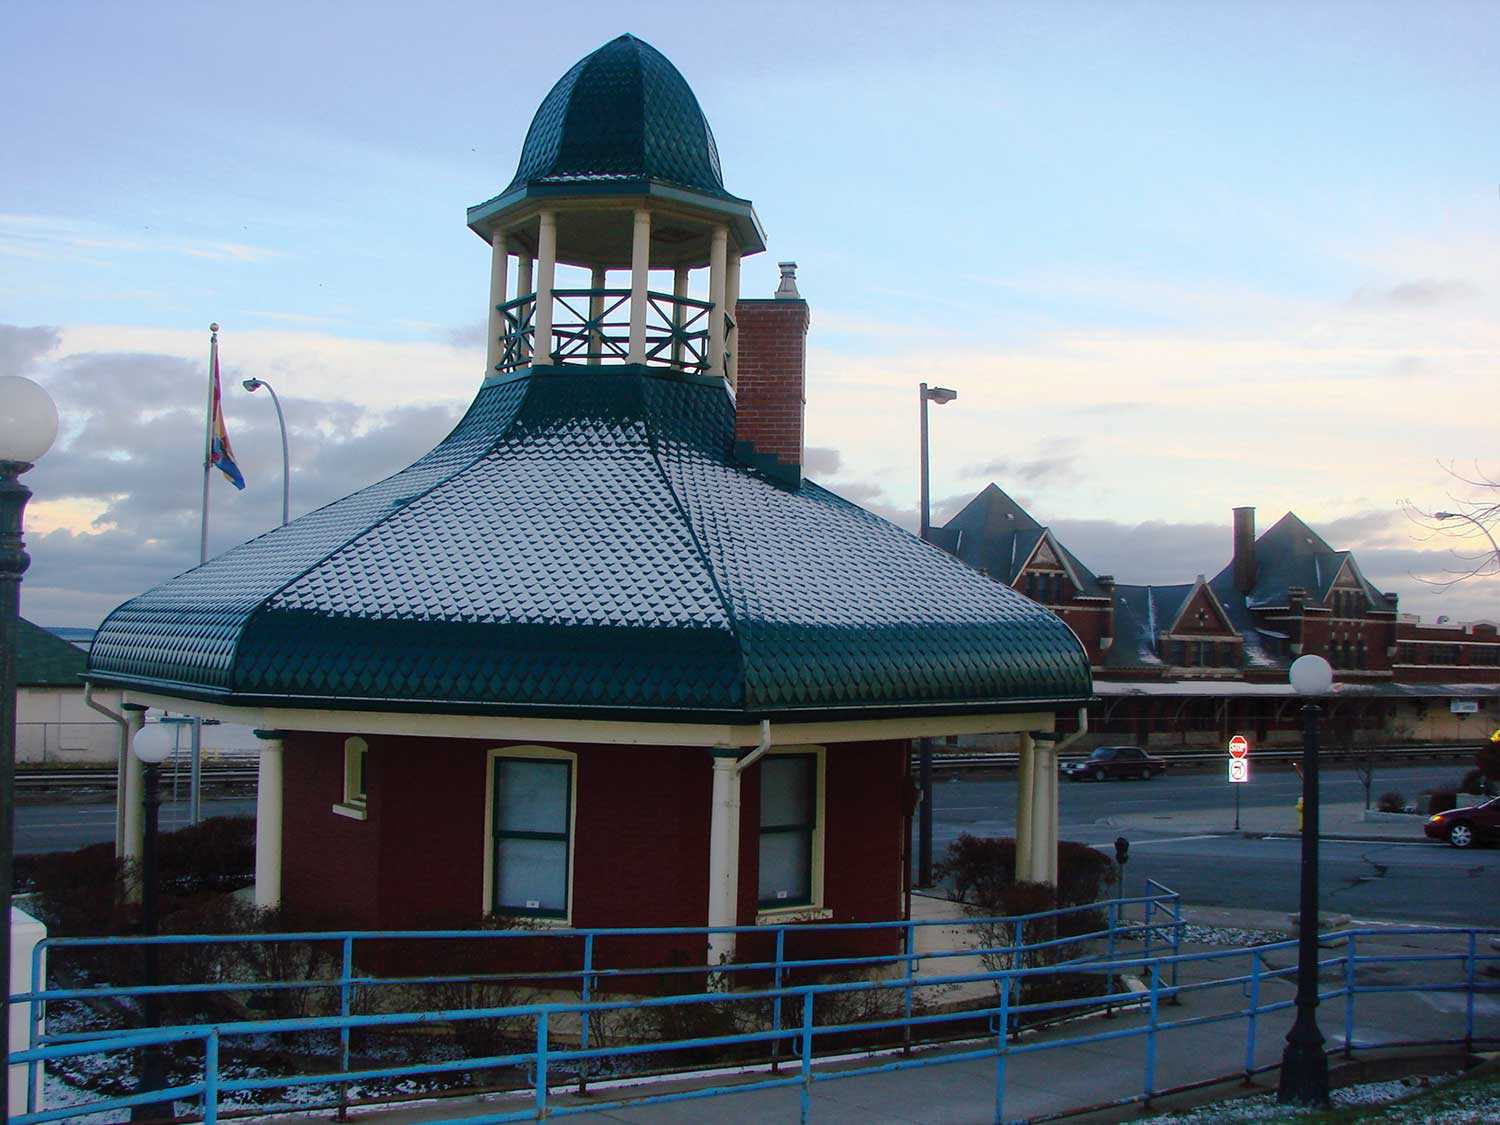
[(770, 381), (1244, 549)]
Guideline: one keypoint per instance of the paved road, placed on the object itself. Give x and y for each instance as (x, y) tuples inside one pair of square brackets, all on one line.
[(1414, 881), (60, 826)]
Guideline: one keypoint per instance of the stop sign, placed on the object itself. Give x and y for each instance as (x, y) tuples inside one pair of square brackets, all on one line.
[(1239, 746)]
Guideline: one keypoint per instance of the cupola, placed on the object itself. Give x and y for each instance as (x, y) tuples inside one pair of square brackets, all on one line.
[(619, 172)]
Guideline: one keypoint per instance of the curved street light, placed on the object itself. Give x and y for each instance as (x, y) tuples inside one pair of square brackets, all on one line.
[(1494, 547), (939, 395), (254, 385), (28, 426)]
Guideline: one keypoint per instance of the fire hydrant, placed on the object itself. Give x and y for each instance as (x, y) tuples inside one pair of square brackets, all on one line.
[(1299, 814)]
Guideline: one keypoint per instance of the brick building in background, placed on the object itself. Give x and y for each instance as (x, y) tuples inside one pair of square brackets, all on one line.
[(1192, 662)]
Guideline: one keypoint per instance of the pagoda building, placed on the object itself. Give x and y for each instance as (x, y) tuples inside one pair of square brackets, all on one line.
[(604, 656)]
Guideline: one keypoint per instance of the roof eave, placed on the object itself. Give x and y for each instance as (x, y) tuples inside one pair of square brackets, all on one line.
[(749, 234)]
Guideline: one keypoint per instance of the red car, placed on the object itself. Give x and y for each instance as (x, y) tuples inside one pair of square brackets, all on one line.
[(1463, 828), (1115, 761)]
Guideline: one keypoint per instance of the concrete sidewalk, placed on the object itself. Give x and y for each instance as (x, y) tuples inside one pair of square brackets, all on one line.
[(1042, 1082)]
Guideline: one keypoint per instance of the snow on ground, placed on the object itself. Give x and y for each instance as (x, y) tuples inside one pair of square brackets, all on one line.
[(1482, 1105)]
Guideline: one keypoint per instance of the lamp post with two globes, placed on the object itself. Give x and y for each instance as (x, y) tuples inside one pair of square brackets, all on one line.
[(28, 426), (1304, 1064)]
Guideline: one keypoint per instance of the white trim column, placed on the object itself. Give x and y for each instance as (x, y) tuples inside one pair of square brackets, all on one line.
[(499, 268), (640, 271), (1044, 810), (133, 807), (680, 278), (524, 288), (598, 279), (724, 854), (1025, 802), (546, 269), (731, 301), (717, 252), (269, 814)]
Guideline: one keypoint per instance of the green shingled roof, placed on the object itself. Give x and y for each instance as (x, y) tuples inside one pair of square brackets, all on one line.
[(584, 543), (43, 659), (621, 113)]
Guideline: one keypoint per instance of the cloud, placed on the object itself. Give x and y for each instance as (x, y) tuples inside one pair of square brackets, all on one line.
[(1425, 293), (48, 236), (1057, 468), (474, 335), (821, 460), (116, 508), (21, 347)]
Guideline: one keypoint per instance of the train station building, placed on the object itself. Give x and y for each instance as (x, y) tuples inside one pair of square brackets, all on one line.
[(604, 656)]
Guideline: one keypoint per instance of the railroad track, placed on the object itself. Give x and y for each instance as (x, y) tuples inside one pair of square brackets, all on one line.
[(43, 780)]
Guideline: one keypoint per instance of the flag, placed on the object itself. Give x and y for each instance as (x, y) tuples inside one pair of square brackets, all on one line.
[(220, 452)]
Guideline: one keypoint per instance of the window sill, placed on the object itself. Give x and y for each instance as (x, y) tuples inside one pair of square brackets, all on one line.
[(353, 812), (777, 916), (530, 922)]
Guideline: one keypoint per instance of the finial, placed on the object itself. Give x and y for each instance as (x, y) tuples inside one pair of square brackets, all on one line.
[(214, 327), (787, 290)]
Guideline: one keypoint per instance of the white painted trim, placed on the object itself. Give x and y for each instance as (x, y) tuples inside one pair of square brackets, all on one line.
[(640, 269), (352, 748), (819, 838), (270, 807), (353, 812), (517, 728), (789, 914), (569, 756)]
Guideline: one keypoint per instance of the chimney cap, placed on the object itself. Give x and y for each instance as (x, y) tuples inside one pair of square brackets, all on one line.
[(787, 290)]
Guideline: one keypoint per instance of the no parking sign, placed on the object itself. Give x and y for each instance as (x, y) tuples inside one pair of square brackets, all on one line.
[(1239, 758)]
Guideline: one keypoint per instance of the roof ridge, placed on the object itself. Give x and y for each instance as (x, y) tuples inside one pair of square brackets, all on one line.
[(648, 424), (392, 510)]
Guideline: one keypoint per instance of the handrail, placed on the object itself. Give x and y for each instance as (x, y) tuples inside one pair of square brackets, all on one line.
[(677, 329), (1009, 1004)]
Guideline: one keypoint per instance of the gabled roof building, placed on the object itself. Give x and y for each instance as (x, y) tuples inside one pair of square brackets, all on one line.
[(605, 650), (1201, 658)]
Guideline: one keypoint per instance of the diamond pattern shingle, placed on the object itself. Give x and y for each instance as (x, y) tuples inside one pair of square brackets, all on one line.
[(584, 540)]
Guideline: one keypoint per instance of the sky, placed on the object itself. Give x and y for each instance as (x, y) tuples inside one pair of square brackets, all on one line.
[(1174, 258)]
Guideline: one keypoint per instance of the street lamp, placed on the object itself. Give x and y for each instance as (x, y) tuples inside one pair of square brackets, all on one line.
[(939, 395), (253, 385), (1304, 1065), (1494, 547), (28, 426), (153, 744)]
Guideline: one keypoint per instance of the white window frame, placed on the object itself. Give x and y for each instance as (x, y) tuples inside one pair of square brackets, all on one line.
[(356, 763), (813, 910), (532, 752)]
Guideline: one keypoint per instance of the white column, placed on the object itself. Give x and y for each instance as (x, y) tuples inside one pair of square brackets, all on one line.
[(1025, 801), (723, 855), (25, 934), (133, 806), (680, 278), (717, 252), (546, 268), (269, 807), (1044, 812), (731, 299), (597, 280), (499, 263), (640, 270), (524, 288)]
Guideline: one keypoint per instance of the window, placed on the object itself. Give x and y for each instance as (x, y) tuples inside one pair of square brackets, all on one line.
[(789, 800), (1359, 655), (356, 757), (531, 832)]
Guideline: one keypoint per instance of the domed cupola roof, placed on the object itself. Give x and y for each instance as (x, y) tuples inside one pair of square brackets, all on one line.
[(621, 113)]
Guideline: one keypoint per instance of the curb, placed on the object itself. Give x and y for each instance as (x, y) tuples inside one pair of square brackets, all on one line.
[(1340, 837)]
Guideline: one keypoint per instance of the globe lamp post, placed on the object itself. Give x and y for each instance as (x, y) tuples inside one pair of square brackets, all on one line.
[(1304, 1065), (939, 395), (28, 426), (153, 745)]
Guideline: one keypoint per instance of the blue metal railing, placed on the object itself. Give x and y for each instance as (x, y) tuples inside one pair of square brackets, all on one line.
[(553, 1064), (1011, 930)]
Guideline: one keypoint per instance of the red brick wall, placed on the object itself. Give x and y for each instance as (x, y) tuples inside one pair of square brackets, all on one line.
[(770, 385), (330, 864)]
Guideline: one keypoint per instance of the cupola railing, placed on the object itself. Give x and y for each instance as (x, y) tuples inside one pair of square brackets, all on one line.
[(592, 326)]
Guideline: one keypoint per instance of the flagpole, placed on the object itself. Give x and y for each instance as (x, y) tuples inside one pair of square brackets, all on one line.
[(195, 760)]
